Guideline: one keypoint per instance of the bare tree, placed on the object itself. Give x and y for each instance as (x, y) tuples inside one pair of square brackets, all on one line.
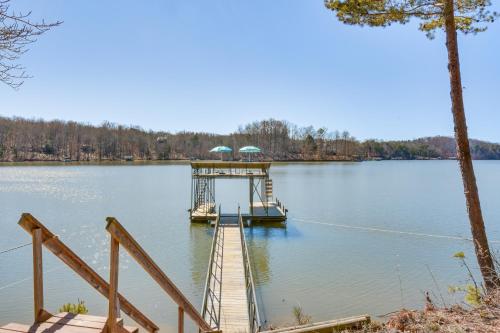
[(17, 31)]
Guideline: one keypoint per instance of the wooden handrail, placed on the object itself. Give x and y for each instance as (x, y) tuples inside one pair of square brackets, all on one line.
[(121, 235), (58, 248)]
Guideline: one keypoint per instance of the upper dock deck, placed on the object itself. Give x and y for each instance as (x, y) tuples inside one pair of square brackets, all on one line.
[(225, 169)]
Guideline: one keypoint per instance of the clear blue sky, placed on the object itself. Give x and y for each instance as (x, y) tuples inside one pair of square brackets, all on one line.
[(213, 65)]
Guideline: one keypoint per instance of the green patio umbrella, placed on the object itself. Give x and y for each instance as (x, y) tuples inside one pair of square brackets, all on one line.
[(250, 150), (221, 150)]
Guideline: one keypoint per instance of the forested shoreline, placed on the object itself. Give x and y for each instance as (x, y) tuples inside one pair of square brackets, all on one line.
[(39, 140)]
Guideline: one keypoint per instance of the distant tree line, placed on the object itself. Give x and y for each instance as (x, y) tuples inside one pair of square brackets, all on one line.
[(437, 147), (38, 140)]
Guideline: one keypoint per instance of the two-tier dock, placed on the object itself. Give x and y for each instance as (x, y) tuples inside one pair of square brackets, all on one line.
[(263, 206), (229, 302)]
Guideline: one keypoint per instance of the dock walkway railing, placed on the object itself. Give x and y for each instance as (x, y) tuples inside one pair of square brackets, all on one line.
[(281, 206), (253, 309), (212, 299), (211, 307)]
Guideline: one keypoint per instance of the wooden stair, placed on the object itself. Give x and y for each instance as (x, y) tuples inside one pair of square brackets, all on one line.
[(67, 323)]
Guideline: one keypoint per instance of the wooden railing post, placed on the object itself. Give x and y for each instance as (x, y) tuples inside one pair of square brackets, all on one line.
[(113, 309), (180, 328), (37, 274)]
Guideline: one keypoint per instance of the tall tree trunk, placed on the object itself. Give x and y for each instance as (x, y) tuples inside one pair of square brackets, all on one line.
[(464, 156)]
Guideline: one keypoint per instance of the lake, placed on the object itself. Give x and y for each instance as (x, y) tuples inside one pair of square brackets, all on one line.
[(366, 237)]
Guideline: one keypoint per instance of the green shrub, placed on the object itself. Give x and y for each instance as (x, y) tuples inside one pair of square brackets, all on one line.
[(473, 294), (78, 308), (300, 317)]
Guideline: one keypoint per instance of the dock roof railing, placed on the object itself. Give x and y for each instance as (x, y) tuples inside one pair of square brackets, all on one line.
[(229, 165), (223, 169)]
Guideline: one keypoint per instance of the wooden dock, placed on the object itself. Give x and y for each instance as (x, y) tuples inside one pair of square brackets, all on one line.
[(263, 205), (67, 323), (234, 309), (204, 212), (272, 211), (230, 300)]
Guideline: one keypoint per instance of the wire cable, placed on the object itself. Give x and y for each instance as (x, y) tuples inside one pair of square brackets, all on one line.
[(16, 282), (392, 231), (15, 248)]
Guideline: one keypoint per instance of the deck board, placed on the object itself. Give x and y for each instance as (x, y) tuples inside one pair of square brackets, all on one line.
[(234, 311), (64, 323), (234, 316)]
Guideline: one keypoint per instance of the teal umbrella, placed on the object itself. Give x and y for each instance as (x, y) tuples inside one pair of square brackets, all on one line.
[(221, 150), (250, 150)]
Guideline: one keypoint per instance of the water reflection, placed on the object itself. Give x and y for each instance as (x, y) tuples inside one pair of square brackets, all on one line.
[(336, 256), (259, 238), (200, 244)]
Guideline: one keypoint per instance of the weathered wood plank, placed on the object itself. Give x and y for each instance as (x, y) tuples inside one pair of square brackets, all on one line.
[(113, 310), (343, 323), (71, 323), (76, 322), (6, 331), (84, 317), (49, 327), (16, 327), (130, 329), (37, 275), (234, 302)]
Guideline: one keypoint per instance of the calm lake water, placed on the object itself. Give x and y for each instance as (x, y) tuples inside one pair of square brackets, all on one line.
[(361, 237)]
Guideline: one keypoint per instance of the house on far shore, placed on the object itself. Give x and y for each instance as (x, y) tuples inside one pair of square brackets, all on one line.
[(128, 158)]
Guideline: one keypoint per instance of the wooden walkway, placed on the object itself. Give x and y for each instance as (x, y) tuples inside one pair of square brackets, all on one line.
[(234, 309), (66, 323), (229, 286)]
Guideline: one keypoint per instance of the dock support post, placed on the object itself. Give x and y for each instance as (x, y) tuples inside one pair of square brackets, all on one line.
[(251, 196), (37, 275), (113, 306)]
